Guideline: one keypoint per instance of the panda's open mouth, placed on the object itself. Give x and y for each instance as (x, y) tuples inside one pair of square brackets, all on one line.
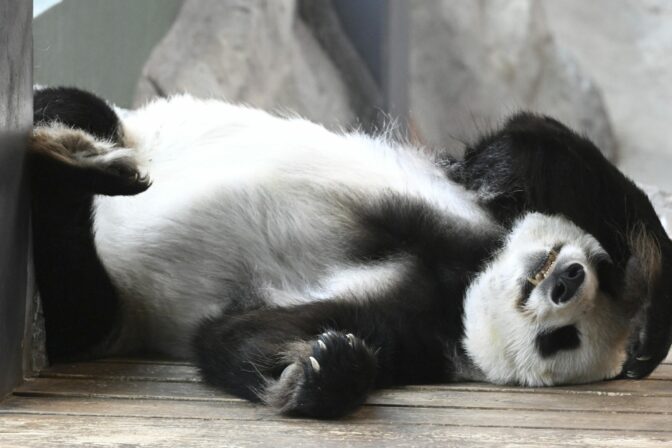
[(546, 266)]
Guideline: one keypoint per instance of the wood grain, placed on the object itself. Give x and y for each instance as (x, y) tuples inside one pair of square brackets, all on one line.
[(126, 371), (368, 415), (483, 397), (74, 431), (155, 403)]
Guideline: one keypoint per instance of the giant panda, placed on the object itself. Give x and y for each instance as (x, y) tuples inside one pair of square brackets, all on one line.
[(301, 267)]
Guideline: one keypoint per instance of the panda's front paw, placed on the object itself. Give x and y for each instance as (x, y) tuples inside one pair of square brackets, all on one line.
[(71, 158), (117, 173), (329, 377)]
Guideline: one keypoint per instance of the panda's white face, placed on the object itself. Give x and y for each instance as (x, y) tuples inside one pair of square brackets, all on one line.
[(536, 314)]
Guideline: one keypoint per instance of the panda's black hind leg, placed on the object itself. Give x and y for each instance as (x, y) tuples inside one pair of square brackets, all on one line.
[(76, 152)]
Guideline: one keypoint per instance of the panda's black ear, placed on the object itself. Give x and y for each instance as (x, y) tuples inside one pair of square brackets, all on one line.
[(509, 168), (527, 121), (490, 170)]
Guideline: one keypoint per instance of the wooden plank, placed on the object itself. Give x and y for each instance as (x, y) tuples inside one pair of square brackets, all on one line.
[(145, 360), (505, 401), (663, 372), (152, 370), (618, 413), (383, 415), (614, 387), (125, 371), (411, 396), (143, 369), (119, 389), (199, 391), (86, 431)]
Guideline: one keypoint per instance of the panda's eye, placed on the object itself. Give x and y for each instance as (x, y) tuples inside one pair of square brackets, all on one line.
[(538, 273), (541, 271)]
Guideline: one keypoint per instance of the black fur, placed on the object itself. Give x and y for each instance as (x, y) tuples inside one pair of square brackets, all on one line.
[(78, 109), (81, 305), (536, 163), (563, 338)]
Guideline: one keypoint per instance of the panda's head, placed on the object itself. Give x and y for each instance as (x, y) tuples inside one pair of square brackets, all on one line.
[(538, 315)]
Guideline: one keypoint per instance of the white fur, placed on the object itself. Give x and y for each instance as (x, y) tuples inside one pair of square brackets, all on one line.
[(236, 192), (344, 282), (500, 334), (374, 278)]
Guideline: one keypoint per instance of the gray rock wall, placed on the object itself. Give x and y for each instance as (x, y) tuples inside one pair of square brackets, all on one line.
[(249, 51), (662, 202), (626, 46), (472, 63)]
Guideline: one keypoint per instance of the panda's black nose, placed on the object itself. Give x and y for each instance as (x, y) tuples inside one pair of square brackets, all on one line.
[(567, 283)]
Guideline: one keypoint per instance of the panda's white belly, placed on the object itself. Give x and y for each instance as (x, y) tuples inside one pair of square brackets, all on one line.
[(237, 192)]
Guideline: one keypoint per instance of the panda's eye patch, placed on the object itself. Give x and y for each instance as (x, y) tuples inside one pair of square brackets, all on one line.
[(552, 341)]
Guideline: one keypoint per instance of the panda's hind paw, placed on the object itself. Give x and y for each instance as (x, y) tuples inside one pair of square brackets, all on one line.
[(328, 377)]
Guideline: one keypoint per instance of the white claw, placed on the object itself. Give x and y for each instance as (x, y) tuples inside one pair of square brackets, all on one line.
[(351, 339), (315, 364), (631, 374), (322, 345), (643, 358)]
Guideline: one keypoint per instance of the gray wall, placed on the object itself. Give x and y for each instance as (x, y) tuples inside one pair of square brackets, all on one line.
[(15, 123), (99, 45), (379, 31)]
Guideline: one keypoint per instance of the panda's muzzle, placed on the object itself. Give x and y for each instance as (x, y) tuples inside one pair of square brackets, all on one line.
[(566, 283)]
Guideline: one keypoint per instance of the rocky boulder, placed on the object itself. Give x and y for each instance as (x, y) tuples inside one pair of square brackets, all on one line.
[(626, 46), (248, 51), (472, 63)]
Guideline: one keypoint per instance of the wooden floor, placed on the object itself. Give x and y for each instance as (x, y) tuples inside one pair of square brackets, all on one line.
[(162, 404)]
